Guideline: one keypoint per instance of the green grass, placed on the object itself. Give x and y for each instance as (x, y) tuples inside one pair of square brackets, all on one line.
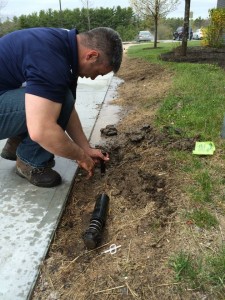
[(216, 269), (198, 91), (195, 104), (204, 273), (205, 185), (151, 54), (202, 218), (185, 268)]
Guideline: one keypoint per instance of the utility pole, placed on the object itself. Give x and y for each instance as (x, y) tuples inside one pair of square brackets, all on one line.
[(86, 3), (60, 13)]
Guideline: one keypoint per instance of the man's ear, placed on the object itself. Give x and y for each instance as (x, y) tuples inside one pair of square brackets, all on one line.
[(92, 55)]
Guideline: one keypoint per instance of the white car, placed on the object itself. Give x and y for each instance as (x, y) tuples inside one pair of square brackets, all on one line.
[(144, 36), (198, 34)]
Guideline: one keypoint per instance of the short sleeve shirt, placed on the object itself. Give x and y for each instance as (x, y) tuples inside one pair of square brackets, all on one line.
[(44, 58)]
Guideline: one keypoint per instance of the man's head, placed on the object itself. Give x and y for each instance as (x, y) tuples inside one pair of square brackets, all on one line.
[(100, 51)]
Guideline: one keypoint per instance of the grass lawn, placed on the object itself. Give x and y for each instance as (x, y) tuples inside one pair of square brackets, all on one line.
[(196, 106)]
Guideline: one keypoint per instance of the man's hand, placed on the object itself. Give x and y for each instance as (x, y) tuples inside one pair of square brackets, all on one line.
[(88, 164), (96, 154)]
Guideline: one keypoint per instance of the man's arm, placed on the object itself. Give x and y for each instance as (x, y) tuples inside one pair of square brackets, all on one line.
[(75, 131), (42, 116)]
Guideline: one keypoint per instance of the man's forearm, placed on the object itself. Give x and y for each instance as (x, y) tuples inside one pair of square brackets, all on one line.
[(75, 131), (57, 142), (41, 116)]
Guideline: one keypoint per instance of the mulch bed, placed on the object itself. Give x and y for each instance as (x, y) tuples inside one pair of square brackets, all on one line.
[(197, 55)]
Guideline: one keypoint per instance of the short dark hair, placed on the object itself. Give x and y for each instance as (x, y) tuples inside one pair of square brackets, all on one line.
[(108, 41)]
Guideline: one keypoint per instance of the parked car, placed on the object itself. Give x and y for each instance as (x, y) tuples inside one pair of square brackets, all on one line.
[(144, 36), (198, 34), (178, 34)]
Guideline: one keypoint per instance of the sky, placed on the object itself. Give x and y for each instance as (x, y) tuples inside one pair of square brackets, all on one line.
[(18, 7)]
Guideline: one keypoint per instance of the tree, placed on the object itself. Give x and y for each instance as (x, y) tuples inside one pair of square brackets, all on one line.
[(3, 3), (186, 27), (199, 22), (155, 9), (9, 25)]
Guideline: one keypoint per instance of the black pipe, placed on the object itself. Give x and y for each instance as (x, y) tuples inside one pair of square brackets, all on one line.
[(93, 235), (102, 167)]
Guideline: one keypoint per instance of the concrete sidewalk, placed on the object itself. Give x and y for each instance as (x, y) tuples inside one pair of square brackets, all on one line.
[(29, 215)]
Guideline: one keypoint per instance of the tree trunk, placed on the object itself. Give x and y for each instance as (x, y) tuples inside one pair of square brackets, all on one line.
[(156, 30), (186, 28)]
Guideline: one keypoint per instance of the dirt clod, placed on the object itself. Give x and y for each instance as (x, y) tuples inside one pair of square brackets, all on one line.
[(109, 130)]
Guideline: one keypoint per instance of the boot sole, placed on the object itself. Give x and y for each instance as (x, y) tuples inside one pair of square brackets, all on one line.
[(8, 156)]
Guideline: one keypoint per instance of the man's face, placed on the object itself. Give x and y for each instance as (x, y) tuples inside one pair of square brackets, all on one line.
[(92, 66)]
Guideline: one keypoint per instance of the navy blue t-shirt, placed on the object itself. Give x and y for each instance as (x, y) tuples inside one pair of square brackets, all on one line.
[(44, 58)]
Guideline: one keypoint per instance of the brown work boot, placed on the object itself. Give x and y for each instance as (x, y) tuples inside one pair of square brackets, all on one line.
[(9, 150), (43, 177)]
